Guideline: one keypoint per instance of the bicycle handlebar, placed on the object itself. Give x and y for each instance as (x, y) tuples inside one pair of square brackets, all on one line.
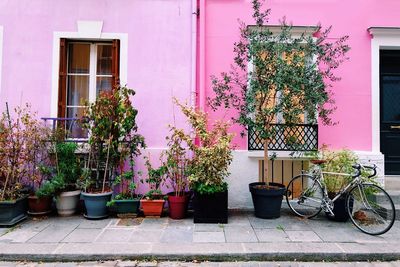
[(358, 169)]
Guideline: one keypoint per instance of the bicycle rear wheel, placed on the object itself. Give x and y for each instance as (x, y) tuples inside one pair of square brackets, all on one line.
[(371, 209), (304, 196)]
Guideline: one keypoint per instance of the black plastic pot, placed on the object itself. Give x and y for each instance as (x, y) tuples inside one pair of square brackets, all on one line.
[(12, 212), (127, 206), (210, 208), (340, 211), (96, 205), (267, 202)]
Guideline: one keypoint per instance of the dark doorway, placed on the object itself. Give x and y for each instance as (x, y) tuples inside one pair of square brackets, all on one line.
[(390, 109)]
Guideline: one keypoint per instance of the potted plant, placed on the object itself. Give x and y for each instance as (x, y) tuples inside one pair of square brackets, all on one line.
[(153, 201), (212, 154), (177, 162), (339, 161), (290, 77), (111, 122), (13, 165)]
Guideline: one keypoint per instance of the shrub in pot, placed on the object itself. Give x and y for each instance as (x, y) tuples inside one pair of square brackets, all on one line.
[(153, 201), (212, 155), (338, 161), (290, 77), (15, 155), (177, 161), (111, 123)]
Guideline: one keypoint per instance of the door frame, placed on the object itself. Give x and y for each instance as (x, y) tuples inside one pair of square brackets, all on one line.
[(383, 38)]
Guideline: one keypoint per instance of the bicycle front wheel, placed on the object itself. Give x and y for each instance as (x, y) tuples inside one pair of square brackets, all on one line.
[(371, 209), (304, 196)]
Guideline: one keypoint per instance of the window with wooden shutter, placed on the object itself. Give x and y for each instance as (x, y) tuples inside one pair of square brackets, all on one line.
[(86, 69)]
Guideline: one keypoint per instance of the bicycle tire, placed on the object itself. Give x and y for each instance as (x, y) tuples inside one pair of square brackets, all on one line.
[(300, 202), (370, 208)]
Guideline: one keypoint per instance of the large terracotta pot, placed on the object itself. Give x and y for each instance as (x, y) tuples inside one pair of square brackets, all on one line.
[(152, 207), (67, 202), (177, 205), (39, 206)]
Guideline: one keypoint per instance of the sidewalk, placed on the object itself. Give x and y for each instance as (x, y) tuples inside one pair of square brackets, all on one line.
[(244, 238)]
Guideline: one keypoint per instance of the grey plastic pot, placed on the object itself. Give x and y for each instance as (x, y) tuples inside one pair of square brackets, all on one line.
[(12, 212), (96, 205), (67, 202)]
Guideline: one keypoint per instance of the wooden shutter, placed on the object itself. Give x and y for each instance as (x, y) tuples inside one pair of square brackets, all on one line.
[(115, 63), (62, 79)]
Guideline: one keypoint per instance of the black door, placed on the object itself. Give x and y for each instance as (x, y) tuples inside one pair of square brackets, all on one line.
[(390, 109)]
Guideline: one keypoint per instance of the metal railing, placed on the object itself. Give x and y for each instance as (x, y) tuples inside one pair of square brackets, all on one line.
[(297, 137), (72, 127)]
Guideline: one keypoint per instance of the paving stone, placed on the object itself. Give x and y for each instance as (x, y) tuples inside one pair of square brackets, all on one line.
[(8, 263), (36, 225), (238, 220), (154, 223), (286, 223), (127, 263), (53, 234), (208, 237), (94, 224), (205, 227), (271, 235), (67, 264), (249, 264), (345, 234), (147, 264), (115, 235), (303, 236), (177, 236), (82, 236), (180, 223), (18, 236), (146, 235), (240, 234)]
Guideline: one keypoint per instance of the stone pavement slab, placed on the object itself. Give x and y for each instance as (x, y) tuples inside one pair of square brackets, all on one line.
[(240, 234), (115, 235), (80, 235), (208, 237), (271, 235), (53, 233)]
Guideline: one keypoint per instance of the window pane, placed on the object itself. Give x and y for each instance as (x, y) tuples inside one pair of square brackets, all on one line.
[(104, 59), (78, 58), (78, 90), (103, 84), (73, 128)]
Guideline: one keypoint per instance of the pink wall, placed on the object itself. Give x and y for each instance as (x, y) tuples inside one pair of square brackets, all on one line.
[(159, 49), (353, 18)]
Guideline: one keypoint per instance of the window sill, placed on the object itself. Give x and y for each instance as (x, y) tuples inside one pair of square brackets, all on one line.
[(281, 155)]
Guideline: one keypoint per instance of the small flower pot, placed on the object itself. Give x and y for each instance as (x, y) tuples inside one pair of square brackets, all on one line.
[(126, 206), (267, 199), (13, 212), (67, 202), (96, 204), (210, 208), (152, 208), (39, 206), (177, 205)]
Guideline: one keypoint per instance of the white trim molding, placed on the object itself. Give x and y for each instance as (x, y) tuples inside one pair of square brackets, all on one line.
[(1, 52), (382, 38), (87, 30)]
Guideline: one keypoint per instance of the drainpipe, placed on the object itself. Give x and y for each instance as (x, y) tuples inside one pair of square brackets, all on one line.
[(193, 79), (202, 55)]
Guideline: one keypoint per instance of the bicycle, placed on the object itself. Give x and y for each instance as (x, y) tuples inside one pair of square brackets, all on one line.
[(369, 206)]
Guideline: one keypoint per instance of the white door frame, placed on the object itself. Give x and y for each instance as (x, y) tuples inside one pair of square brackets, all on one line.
[(382, 38)]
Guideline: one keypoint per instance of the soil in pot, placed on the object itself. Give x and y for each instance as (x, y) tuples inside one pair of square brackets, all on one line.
[(13, 212), (210, 208), (267, 199), (178, 205), (66, 202), (152, 208), (96, 204), (39, 206)]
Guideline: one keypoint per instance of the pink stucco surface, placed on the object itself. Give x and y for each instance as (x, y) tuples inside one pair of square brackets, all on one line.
[(159, 49), (353, 18)]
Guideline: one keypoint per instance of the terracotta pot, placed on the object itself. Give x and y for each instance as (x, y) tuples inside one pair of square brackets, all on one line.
[(152, 207), (39, 206), (177, 205)]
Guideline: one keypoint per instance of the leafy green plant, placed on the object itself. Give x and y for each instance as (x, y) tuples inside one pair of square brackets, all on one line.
[(290, 77), (111, 121), (155, 178), (211, 155)]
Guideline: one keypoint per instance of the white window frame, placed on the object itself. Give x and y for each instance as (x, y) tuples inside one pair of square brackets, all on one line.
[(382, 38), (92, 71), (88, 31), (296, 33)]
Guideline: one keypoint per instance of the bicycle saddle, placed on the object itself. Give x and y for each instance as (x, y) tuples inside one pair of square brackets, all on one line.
[(318, 161)]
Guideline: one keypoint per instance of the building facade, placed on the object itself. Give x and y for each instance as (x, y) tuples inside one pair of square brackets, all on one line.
[(53, 54)]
